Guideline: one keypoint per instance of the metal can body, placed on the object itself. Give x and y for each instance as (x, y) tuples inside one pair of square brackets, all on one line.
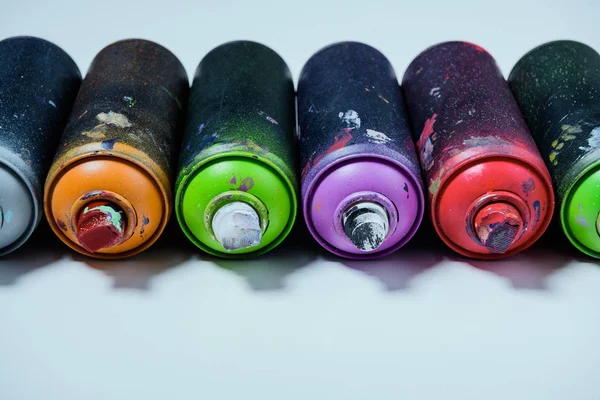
[(239, 147), (557, 86), (38, 85), (117, 154), (356, 147), (489, 190)]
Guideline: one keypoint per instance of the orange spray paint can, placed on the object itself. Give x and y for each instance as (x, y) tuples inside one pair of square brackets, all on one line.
[(109, 190)]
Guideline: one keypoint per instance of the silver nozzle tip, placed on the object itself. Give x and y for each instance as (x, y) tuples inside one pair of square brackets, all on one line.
[(366, 225), (237, 226)]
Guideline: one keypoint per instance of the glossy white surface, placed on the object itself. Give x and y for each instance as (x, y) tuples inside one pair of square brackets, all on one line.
[(299, 324)]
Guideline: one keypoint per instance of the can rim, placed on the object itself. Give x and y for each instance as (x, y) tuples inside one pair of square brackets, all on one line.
[(357, 157), (182, 185)]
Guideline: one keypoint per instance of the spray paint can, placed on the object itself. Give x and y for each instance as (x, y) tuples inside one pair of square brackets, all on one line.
[(362, 192), (557, 86), (489, 190), (236, 189), (38, 85), (108, 193)]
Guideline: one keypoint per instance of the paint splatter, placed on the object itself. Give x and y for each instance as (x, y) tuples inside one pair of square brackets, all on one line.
[(384, 99), (485, 141), (114, 215), (145, 221), (233, 180), (89, 195), (208, 140), (593, 140), (61, 224), (339, 142), (268, 118), (377, 137), (95, 134), (113, 118), (53, 104), (425, 143), (571, 129), (537, 208), (528, 186), (435, 92), (247, 184), (476, 47), (406, 190), (130, 101), (581, 221), (109, 144), (569, 133), (427, 130), (434, 183), (350, 119)]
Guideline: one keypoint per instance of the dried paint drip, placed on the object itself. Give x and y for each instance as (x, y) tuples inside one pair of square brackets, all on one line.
[(366, 225), (237, 226), (100, 225)]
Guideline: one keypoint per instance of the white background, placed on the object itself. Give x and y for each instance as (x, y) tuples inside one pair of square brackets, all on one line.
[(299, 324)]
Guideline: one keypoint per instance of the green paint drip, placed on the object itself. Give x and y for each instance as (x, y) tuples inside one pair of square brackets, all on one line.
[(115, 216)]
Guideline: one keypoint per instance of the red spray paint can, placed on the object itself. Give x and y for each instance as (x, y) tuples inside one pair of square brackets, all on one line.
[(490, 194)]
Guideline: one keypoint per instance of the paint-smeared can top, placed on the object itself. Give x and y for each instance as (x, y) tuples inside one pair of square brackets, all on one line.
[(100, 225), (366, 224)]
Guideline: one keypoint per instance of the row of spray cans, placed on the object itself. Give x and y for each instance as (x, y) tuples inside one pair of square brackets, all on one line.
[(132, 142)]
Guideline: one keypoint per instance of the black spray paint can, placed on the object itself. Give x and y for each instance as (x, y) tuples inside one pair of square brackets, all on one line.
[(362, 191), (557, 86), (38, 85)]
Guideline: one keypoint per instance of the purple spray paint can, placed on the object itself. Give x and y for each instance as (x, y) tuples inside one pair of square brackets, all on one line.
[(362, 192)]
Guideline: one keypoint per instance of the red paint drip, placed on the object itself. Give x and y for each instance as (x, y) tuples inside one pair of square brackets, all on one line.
[(339, 142), (427, 131)]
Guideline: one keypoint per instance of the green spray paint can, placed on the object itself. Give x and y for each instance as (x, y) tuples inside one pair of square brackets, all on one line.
[(236, 187), (557, 86)]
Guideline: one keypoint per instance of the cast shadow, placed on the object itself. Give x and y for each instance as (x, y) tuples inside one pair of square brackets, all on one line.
[(269, 272), (423, 252), (42, 249), (531, 268), (169, 251)]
